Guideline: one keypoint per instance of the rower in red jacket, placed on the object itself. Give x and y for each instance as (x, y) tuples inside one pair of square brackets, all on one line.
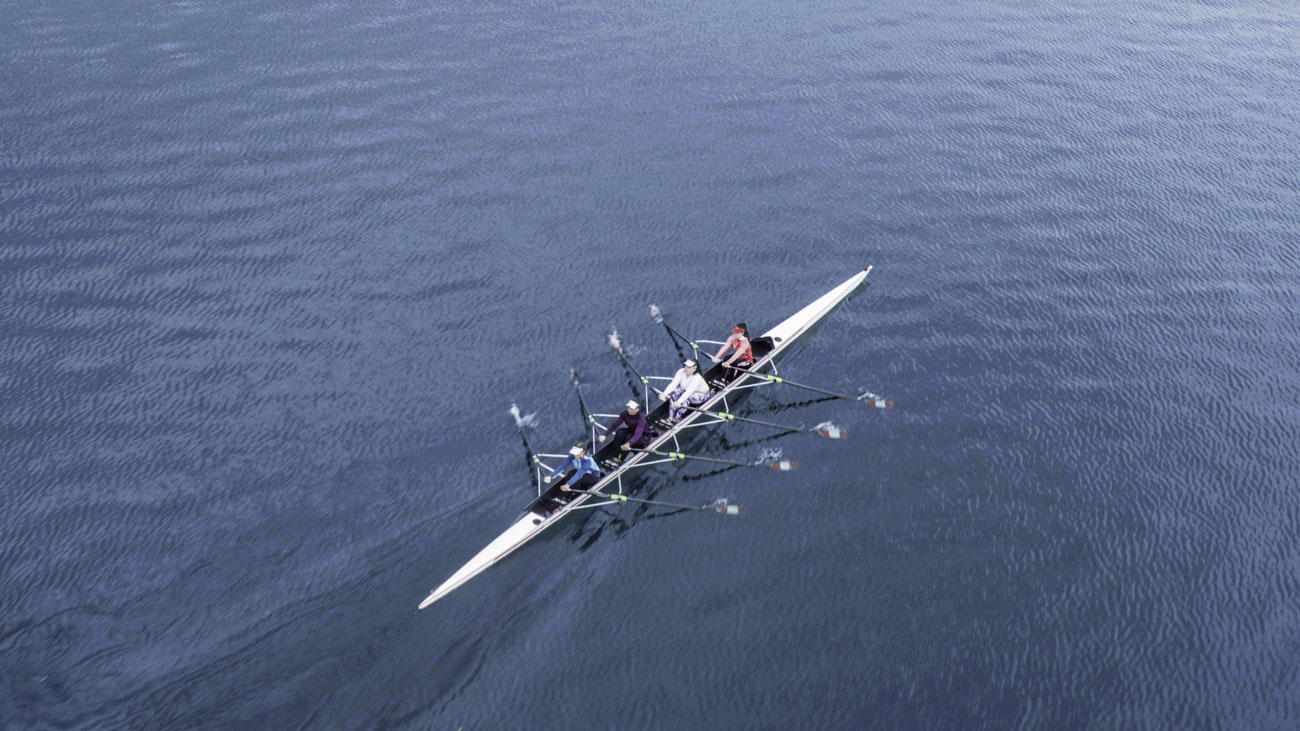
[(743, 358)]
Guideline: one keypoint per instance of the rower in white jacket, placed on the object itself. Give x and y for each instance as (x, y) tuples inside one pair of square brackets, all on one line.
[(687, 389)]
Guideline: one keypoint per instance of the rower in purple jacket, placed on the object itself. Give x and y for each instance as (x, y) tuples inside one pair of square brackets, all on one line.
[(631, 428)]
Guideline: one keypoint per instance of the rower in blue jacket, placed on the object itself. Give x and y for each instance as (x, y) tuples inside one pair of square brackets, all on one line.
[(586, 473)]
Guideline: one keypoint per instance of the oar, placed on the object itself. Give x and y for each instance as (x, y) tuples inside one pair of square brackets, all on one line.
[(868, 399), (521, 423), (830, 431), (784, 465), (719, 506), (873, 401), (582, 404), (617, 346), (659, 318)]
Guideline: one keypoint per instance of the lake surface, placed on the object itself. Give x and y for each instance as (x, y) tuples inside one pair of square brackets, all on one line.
[(271, 274)]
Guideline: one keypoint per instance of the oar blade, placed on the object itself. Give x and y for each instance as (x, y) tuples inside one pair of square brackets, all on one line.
[(521, 421), (785, 465), (725, 508), (879, 403), (830, 431)]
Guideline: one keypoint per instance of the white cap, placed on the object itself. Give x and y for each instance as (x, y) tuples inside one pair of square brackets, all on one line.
[(633, 404), (576, 450), (690, 363)]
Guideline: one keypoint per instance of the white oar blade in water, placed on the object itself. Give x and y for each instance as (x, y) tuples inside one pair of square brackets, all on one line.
[(830, 431), (874, 401), (726, 509), (785, 465)]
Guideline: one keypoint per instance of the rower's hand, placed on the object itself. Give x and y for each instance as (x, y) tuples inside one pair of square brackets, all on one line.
[(601, 438), (625, 447), (564, 488), (547, 479)]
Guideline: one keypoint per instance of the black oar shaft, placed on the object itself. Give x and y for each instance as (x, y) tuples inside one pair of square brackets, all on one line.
[(645, 382), (830, 431), (676, 347), (582, 403), (628, 363), (675, 335), (814, 389), (758, 422), (659, 318), (695, 348), (715, 460), (657, 503), (520, 426), (875, 401), (530, 455)]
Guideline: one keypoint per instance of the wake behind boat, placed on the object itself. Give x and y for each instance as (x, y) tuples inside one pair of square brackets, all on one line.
[(554, 502)]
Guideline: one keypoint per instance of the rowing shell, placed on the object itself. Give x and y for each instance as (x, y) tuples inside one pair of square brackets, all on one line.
[(554, 504)]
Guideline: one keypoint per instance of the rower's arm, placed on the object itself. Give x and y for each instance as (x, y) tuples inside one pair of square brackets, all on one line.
[(677, 380), (560, 470), (584, 465)]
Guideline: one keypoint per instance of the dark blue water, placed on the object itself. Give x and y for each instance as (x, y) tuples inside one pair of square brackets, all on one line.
[(272, 272)]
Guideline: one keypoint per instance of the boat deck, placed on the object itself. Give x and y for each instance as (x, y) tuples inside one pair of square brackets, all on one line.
[(553, 498)]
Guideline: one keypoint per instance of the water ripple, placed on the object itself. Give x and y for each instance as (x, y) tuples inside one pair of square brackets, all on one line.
[(272, 273)]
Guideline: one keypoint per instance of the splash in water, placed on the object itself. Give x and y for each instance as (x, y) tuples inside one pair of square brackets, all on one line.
[(864, 394), (523, 422)]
